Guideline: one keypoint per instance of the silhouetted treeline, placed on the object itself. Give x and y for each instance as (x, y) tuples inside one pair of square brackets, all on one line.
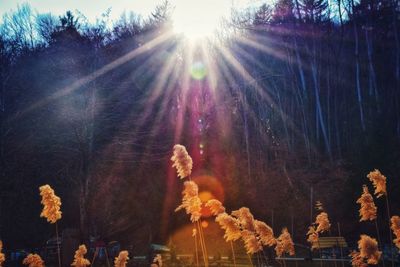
[(297, 95)]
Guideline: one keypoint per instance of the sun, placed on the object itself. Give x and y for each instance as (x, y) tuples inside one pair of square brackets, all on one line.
[(199, 18)]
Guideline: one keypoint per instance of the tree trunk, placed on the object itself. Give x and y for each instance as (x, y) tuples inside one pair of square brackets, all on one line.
[(358, 84)]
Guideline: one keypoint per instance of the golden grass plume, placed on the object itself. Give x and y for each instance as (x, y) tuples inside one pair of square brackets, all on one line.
[(368, 247), (215, 207), (182, 161), (191, 201), (51, 204), (122, 259), (357, 260), (313, 237), (265, 233), (158, 260), (79, 258), (284, 244), (33, 260), (2, 256), (245, 218), (322, 221), (251, 242), (230, 225), (395, 226), (368, 209), (379, 182)]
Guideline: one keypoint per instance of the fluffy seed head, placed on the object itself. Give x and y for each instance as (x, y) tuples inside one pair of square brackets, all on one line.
[(265, 233), (312, 237), (2, 256), (379, 182), (284, 244), (191, 201), (369, 249), (51, 204), (245, 218), (182, 161), (79, 258), (33, 260), (357, 260), (122, 259), (251, 242), (158, 260), (368, 209), (215, 207), (395, 226), (322, 221), (230, 225)]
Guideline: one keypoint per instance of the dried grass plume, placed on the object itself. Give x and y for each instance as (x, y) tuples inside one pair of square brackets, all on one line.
[(322, 221), (122, 259), (265, 233), (2, 256), (284, 244), (215, 207), (312, 237), (51, 204), (245, 218), (230, 225), (369, 249), (368, 208), (379, 181), (191, 201), (395, 226), (157, 260), (251, 242), (79, 258), (357, 260), (182, 161), (33, 260)]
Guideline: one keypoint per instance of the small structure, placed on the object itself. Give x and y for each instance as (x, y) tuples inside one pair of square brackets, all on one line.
[(331, 242)]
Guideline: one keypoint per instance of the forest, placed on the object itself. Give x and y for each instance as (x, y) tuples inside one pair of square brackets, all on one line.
[(288, 103)]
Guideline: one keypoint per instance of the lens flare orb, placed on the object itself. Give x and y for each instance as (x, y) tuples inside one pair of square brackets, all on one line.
[(198, 71)]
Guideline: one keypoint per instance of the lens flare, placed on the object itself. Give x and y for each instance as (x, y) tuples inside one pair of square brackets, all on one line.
[(198, 70)]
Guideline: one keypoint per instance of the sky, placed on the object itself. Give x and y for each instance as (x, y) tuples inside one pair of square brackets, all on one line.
[(94, 8)]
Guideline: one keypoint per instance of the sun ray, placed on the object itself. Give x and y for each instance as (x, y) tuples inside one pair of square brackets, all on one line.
[(258, 89), (96, 74), (268, 50)]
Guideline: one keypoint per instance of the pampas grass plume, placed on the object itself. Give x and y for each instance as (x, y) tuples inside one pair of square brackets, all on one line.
[(230, 225), (191, 201), (251, 242), (79, 258), (182, 161), (284, 244), (368, 247), (379, 182), (215, 207), (51, 204), (368, 209), (122, 259), (2, 256), (312, 237), (245, 218), (395, 226), (33, 260), (265, 233)]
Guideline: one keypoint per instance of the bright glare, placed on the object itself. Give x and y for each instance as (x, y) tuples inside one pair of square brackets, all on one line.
[(199, 18)]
